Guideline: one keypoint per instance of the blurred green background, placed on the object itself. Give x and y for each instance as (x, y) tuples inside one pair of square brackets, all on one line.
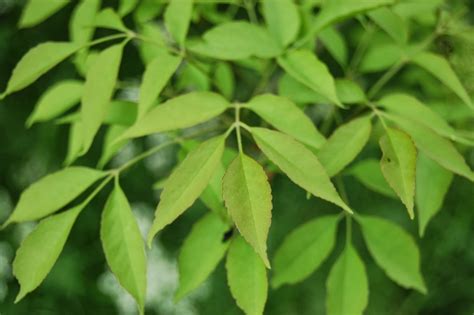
[(80, 282)]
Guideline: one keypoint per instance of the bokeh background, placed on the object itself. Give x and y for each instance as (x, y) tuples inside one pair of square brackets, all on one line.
[(80, 282)]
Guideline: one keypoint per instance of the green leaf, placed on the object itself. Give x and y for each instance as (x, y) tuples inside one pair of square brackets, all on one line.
[(300, 164), (127, 6), (56, 100), (36, 11), (157, 74), (248, 198), (391, 23), (347, 285), (380, 56), (74, 147), (335, 44), (98, 91), (36, 62), (40, 249), (247, 277), (157, 45), (337, 152), (196, 264), (439, 67), (306, 68), (286, 117), (236, 40), (224, 79), (53, 192), (394, 250), (304, 250), (177, 18), (81, 29), (349, 92), (110, 146), (411, 108), (337, 10), (432, 184), (180, 112), (368, 172), (398, 165), (283, 20), (434, 146), (187, 182), (123, 245), (108, 18)]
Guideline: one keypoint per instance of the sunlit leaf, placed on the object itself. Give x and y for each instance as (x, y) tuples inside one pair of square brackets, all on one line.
[(396, 252), (300, 164), (248, 198), (247, 277), (304, 250), (282, 19), (127, 6), (391, 23), (368, 172), (108, 18), (335, 44), (36, 11), (177, 18)]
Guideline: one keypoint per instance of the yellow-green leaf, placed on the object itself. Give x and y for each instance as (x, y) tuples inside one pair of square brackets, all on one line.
[(108, 18), (299, 163), (283, 20), (36, 11), (36, 62), (432, 184), (306, 68), (347, 285), (123, 245), (156, 75), (368, 172), (398, 165), (177, 18), (391, 23), (40, 250), (338, 152), (394, 250), (98, 91), (247, 277), (127, 6), (187, 182), (56, 100), (304, 250), (196, 264), (53, 192), (287, 117), (248, 198), (180, 112)]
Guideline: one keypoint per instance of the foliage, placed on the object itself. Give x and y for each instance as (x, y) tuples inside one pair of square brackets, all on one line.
[(260, 71)]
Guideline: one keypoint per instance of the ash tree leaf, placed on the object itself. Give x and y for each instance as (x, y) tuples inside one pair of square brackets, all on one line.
[(236, 40), (81, 29), (224, 79), (335, 44), (74, 146), (157, 73), (284, 115), (394, 250), (110, 146), (108, 18), (37, 11), (36, 62), (299, 163), (439, 67), (398, 165), (306, 68), (304, 250), (127, 6), (338, 152), (149, 50), (436, 147), (347, 285), (247, 277), (180, 112), (368, 172), (98, 91), (380, 56), (389, 21), (56, 100), (248, 198), (123, 245), (177, 18), (187, 182), (53, 192), (432, 184), (202, 250), (349, 92), (283, 20), (41, 248)]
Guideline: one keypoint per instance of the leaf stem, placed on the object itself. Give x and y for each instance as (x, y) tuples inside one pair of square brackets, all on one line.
[(237, 123), (385, 78), (249, 6), (98, 189), (106, 39)]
